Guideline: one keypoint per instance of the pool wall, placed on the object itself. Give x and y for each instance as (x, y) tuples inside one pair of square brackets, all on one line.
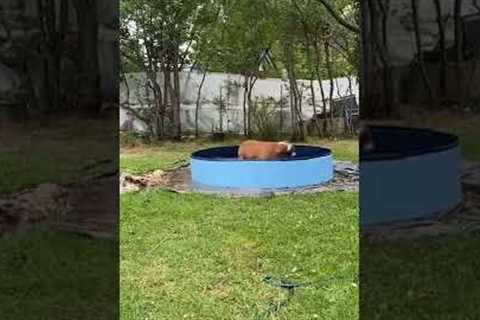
[(312, 166), (415, 184)]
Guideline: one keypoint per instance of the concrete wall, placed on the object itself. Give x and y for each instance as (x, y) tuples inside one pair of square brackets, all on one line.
[(233, 119)]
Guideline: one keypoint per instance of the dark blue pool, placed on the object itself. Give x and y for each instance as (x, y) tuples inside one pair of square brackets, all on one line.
[(412, 174)]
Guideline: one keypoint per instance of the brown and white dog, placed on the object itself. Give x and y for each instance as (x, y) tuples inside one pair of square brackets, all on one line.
[(265, 150)]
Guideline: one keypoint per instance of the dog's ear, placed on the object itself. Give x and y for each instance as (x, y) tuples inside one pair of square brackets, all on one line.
[(286, 144), (293, 150)]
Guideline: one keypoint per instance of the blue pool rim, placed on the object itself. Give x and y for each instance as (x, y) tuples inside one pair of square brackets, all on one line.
[(219, 169), (412, 176), (431, 141)]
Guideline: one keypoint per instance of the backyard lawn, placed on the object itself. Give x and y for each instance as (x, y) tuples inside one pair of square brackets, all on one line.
[(203, 257), (192, 256), (45, 274), (55, 150), (428, 278), (53, 275)]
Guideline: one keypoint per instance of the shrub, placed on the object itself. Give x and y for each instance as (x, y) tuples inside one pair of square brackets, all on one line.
[(264, 116)]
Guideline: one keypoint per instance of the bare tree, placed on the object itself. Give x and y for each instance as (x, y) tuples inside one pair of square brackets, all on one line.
[(338, 17), (379, 11), (197, 103), (443, 49), (418, 43), (89, 82), (328, 65), (458, 29), (176, 96), (298, 132)]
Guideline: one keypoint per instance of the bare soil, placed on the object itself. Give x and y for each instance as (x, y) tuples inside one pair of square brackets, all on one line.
[(87, 208)]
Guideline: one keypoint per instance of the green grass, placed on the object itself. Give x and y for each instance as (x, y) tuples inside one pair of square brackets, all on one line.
[(144, 159), (58, 150), (428, 278), (199, 257), (202, 257), (468, 133), (46, 275), (469, 145)]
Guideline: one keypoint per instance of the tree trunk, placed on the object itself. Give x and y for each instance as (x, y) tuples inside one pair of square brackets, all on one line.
[(158, 101), (385, 57), (418, 43), (89, 86), (197, 104), (166, 96), (476, 5), (281, 109), (177, 104), (337, 17), (220, 112), (381, 51), (443, 49), (458, 30), (251, 84), (314, 104), (293, 125), (245, 93), (297, 119), (49, 88), (312, 76), (322, 91), (350, 88), (328, 65), (366, 65)]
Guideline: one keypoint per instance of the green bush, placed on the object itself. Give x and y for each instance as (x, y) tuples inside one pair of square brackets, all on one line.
[(265, 119)]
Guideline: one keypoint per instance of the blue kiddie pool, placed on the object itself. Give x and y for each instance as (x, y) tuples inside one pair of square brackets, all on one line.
[(220, 169), (413, 174)]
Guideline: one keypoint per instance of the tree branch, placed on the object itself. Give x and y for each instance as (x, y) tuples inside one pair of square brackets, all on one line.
[(337, 17)]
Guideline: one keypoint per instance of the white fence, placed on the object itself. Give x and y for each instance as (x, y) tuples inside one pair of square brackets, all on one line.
[(229, 86), (401, 44)]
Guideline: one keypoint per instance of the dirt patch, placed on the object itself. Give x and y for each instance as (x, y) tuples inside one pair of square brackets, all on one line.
[(94, 209), (46, 202), (87, 208), (177, 180)]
